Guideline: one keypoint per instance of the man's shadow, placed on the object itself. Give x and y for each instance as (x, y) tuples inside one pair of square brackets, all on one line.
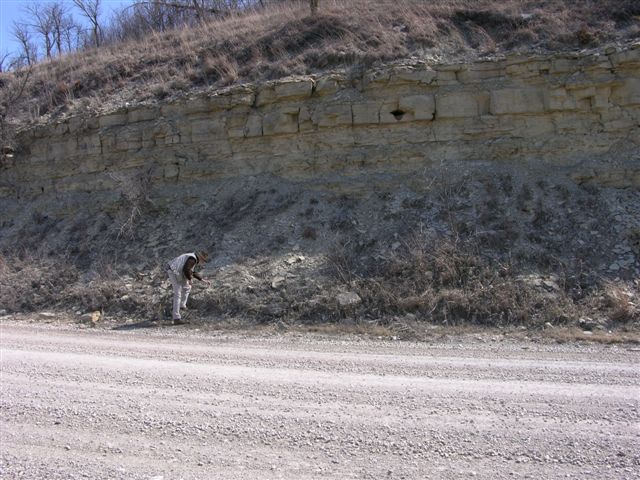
[(161, 318), (138, 325)]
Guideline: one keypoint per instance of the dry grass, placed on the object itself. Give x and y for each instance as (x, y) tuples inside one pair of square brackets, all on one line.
[(283, 40), (34, 281), (448, 281), (622, 303), (428, 282)]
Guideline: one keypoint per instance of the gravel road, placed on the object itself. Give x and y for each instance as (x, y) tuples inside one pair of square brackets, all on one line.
[(171, 403)]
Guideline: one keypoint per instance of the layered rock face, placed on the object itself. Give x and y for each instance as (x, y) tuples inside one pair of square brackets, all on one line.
[(529, 165), (564, 115)]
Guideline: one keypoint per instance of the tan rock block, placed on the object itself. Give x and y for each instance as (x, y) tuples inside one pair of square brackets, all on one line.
[(89, 145), (594, 64), (475, 73), (237, 116), (219, 101), (450, 128), (559, 99), (583, 92), (334, 115), (113, 120), (127, 139), (377, 79), (627, 56), (265, 96), (279, 122), (618, 120), (386, 109), (142, 115), (183, 128), (564, 65), (236, 132), (148, 140), (91, 164), (294, 89), (367, 113), (331, 140), (38, 149), (486, 127), (422, 107), (201, 130), (516, 100), (236, 121), (461, 104), (446, 77), (452, 67), (369, 136), (537, 125), (517, 70), (191, 106), (600, 100), (170, 110), (214, 149), (174, 139), (329, 85), (626, 94), (40, 131), (305, 120), (253, 127), (80, 123), (62, 150), (60, 129), (245, 98), (409, 75), (574, 123)]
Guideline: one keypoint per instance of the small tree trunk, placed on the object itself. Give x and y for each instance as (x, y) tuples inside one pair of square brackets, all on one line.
[(314, 7)]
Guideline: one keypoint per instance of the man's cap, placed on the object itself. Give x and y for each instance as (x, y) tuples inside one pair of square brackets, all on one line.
[(202, 255)]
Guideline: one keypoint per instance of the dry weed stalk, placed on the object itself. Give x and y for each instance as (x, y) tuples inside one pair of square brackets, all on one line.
[(134, 190)]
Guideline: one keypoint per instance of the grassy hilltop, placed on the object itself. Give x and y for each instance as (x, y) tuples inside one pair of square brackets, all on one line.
[(284, 39)]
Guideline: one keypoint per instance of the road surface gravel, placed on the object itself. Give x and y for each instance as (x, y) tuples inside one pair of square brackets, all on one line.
[(178, 403)]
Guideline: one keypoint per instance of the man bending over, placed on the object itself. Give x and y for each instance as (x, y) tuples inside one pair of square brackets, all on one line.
[(181, 271)]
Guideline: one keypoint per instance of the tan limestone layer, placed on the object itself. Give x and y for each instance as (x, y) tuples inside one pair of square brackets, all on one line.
[(570, 114)]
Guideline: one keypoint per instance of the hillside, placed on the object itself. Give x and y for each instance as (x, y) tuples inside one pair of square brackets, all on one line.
[(281, 41), (385, 165)]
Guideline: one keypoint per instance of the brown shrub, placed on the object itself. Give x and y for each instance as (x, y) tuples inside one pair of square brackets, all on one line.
[(620, 302), (448, 281)]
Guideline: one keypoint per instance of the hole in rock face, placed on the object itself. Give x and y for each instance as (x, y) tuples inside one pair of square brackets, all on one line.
[(398, 114)]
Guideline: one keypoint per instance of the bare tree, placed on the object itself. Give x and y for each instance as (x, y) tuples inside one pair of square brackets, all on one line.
[(56, 12), (91, 10), (144, 16), (314, 7), (3, 58), (52, 23), (13, 88), (43, 25), (21, 33)]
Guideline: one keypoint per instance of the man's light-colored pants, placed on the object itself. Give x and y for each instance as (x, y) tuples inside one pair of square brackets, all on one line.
[(181, 289)]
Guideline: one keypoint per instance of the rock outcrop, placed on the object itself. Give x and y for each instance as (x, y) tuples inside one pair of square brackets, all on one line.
[(571, 115)]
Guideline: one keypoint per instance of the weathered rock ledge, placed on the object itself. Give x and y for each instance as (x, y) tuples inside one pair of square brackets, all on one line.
[(569, 115)]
